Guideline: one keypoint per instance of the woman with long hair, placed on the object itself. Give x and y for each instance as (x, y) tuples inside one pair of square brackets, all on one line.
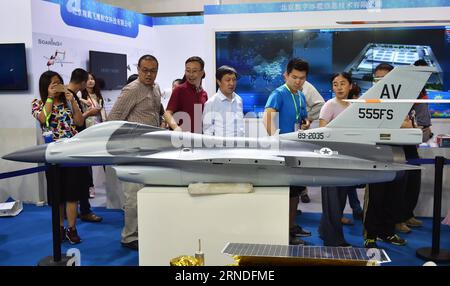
[(93, 105), (58, 113), (91, 98)]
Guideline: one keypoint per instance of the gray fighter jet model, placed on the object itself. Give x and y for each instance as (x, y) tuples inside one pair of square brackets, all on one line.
[(359, 146)]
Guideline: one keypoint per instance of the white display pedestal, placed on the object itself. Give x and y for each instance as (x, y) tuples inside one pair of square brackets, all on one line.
[(171, 221)]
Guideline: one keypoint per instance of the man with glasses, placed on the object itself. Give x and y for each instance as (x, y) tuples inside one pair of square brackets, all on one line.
[(288, 103), (185, 108), (139, 101)]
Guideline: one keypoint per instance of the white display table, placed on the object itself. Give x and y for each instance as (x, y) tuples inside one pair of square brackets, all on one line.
[(171, 221)]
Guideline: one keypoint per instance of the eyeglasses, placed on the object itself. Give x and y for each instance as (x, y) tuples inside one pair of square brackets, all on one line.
[(376, 79), (144, 70)]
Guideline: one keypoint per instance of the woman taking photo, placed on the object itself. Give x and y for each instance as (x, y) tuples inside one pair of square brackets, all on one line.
[(57, 111)]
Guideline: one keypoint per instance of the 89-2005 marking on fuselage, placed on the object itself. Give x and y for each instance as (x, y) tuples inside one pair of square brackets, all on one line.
[(311, 135)]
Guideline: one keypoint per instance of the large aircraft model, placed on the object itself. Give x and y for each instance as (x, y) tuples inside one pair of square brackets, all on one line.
[(359, 146)]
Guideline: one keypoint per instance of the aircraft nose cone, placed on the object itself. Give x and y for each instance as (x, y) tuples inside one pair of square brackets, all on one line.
[(34, 154)]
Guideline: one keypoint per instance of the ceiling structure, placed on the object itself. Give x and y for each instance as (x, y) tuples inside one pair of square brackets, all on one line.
[(178, 7)]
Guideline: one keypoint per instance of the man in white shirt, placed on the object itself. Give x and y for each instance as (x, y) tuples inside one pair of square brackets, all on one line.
[(223, 113), (314, 103)]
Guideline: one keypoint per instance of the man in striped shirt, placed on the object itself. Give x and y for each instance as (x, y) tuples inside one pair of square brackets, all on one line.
[(139, 101)]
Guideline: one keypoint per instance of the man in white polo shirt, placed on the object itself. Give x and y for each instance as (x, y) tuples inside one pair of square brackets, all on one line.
[(314, 103), (223, 113)]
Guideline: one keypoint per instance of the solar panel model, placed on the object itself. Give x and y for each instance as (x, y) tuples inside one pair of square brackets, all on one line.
[(292, 255)]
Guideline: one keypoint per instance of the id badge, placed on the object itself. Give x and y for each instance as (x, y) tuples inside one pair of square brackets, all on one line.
[(48, 136)]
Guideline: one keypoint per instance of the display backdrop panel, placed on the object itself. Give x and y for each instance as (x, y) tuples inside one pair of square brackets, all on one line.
[(260, 58), (111, 68)]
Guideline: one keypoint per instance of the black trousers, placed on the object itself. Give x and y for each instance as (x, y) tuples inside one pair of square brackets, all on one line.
[(412, 184), (383, 208), (85, 206), (91, 177), (295, 191), (412, 193)]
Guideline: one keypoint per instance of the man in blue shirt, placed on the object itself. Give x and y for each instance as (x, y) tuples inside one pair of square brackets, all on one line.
[(287, 104)]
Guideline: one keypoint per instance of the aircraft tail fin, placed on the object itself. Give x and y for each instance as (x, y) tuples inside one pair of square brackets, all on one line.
[(403, 82)]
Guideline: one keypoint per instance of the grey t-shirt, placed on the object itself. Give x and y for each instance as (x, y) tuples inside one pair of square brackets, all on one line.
[(423, 116)]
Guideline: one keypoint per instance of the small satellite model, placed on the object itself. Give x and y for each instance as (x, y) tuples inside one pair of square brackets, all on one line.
[(362, 67)]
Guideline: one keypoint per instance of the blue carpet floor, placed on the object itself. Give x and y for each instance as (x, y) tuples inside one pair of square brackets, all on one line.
[(26, 238)]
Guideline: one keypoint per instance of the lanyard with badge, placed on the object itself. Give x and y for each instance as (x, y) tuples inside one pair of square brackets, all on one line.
[(297, 112)]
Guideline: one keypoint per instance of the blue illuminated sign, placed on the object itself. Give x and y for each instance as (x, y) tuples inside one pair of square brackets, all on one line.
[(101, 17)]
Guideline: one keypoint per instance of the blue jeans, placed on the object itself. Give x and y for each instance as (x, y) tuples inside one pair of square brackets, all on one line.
[(330, 226)]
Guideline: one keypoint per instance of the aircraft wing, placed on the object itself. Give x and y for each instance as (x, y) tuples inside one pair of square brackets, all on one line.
[(269, 157), (345, 162), (299, 159), (220, 156), (148, 156)]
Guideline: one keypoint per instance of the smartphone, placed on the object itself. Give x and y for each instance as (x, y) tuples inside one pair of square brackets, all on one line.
[(60, 88)]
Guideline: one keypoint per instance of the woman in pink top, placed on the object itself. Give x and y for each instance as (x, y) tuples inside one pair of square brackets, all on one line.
[(334, 198), (342, 82), (342, 85)]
